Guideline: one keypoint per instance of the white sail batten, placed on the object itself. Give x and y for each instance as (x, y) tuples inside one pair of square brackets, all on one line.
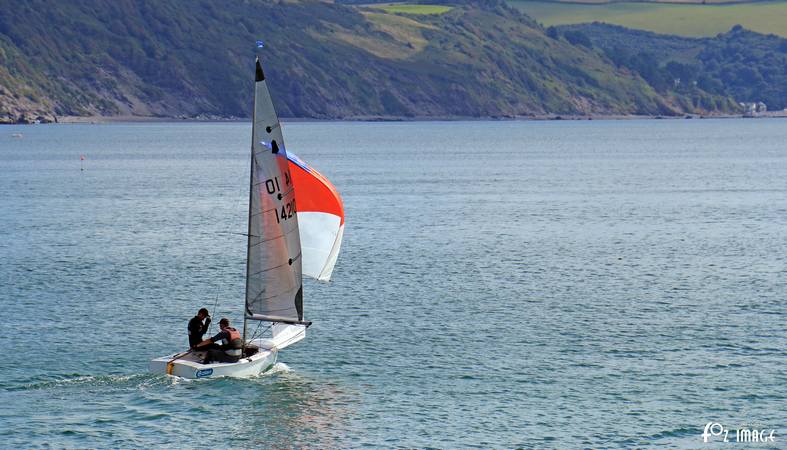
[(273, 272)]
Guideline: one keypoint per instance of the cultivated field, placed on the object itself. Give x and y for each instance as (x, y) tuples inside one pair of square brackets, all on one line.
[(668, 18), (413, 9)]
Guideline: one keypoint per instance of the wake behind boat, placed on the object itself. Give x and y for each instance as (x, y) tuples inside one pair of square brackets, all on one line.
[(279, 251)]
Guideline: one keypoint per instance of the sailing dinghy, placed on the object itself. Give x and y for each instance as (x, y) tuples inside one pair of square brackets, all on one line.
[(296, 223)]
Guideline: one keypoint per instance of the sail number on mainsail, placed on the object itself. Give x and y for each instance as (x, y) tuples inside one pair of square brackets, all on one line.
[(273, 187), (287, 210)]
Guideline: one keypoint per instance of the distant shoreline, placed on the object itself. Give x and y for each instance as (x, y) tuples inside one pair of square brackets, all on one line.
[(145, 119)]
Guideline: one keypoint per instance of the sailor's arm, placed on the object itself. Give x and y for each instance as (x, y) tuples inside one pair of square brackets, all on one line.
[(213, 339), (204, 343)]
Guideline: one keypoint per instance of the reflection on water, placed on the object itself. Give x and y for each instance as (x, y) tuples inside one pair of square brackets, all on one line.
[(307, 413)]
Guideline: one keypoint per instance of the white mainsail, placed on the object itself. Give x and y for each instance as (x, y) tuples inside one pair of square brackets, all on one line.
[(274, 289)]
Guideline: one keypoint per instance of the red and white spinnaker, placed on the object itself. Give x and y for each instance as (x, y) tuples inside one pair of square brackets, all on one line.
[(320, 219)]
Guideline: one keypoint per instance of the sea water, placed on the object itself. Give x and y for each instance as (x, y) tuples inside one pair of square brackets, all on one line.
[(501, 284)]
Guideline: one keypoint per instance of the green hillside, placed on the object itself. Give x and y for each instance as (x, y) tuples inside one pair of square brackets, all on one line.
[(324, 60), (665, 18), (747, 66)]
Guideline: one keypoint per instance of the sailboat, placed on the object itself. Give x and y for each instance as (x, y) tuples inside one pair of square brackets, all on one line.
[(296, 224)]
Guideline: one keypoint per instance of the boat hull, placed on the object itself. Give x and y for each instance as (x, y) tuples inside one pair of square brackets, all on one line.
[(190, 365)]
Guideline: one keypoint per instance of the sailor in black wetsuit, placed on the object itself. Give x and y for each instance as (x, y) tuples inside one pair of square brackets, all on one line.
[(197, 329), (231, 348)]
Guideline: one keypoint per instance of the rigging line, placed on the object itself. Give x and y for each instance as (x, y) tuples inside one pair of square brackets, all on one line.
[(213, 311), (254, 333), (240, 195), (259, 323)]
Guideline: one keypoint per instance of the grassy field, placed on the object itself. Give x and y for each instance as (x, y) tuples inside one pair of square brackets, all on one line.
[(414, 9), (684, 2), (678, 19)]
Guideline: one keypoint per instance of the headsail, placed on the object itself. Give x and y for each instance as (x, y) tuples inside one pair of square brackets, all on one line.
[(320, 219), (274, 289)]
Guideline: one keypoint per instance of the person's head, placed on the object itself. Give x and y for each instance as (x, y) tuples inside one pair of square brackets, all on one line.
[(224, 323), (203, 313)]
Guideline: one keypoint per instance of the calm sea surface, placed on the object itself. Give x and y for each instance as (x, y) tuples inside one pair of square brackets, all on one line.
[(502, 284)]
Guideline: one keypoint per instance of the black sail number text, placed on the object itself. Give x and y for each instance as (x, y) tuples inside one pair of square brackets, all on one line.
[(273, 186), (286, 211)]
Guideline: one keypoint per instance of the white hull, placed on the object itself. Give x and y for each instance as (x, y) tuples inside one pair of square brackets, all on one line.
[(190, 365)]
